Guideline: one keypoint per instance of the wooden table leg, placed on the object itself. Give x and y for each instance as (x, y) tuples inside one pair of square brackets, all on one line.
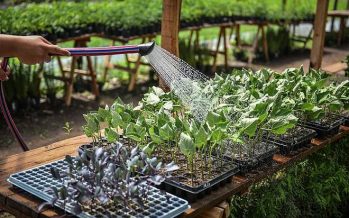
[(237, 38), (220, 211), (70, 82), (93, 76), (134, 72), (341, 30), (225, 47), (252, 54), (215, 54), (107, 64), (265, 44)]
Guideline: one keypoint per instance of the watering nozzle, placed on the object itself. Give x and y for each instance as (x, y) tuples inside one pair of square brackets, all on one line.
[(146, 48)]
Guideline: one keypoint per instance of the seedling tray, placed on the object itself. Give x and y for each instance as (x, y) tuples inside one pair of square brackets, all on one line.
[(37, 181), (251, 163), (301, 138), (193, 193), (346, 120), (325, 129)]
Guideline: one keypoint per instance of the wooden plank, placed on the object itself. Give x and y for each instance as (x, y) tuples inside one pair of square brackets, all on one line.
[(24, 205), (215, 212), (319, 34), (225, 205), (339, 13), (171, 10)]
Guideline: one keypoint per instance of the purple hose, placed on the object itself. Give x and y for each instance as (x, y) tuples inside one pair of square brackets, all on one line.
[(98, 51), (6, 113)]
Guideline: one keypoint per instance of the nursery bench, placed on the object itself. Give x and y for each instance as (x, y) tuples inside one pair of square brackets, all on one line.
[(342, 15), (21, 204)]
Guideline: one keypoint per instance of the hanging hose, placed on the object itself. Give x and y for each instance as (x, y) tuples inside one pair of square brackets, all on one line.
[(142, 49), (6, 113)]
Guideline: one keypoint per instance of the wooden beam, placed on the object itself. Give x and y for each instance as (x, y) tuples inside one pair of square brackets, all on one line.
[(319, 34), (171, 10)]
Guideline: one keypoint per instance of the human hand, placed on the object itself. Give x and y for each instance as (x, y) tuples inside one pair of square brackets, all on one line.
[(36, 49)]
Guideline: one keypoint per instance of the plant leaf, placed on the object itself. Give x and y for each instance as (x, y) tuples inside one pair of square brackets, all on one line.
[(186, 145)]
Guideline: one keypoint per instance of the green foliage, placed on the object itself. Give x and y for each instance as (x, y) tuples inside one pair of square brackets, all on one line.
[(24, 83), (316, 187), (246, 107), (61, 18)]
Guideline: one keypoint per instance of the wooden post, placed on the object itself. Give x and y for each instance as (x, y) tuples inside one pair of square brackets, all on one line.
[(171, 10), (319, 34)]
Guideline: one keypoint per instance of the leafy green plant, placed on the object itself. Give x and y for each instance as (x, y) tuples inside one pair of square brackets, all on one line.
[(317, 187)]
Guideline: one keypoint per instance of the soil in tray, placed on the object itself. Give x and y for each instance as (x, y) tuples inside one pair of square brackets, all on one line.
[(192, 183), (202, 172), (293, 140), (293, 136), (326, 126), (249, 159)]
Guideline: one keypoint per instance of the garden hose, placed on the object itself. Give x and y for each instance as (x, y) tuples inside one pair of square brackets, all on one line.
[(143, 49)]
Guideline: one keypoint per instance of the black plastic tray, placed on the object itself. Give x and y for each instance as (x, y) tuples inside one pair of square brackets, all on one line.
[(257, 161), (286, 147), (192, 194), (346, 120), (324, 130)]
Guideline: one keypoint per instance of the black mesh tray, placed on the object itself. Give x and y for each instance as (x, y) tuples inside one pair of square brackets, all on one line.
[(287, 146), (324, 130), (252, 163), (193, 193)]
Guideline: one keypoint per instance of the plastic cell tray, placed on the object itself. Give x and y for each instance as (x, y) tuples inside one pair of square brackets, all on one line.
[(324, 130), (258, 160), (193, 193), (287, 146), (37, 182)]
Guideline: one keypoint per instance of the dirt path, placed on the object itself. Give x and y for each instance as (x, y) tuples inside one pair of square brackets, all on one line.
[(331, 56)]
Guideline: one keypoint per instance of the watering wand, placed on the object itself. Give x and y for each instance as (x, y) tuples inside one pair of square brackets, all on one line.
[(142, 49)]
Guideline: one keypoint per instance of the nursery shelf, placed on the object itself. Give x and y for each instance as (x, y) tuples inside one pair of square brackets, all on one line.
[(21, 204)]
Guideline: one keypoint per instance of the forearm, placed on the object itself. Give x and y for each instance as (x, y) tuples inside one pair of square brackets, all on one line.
[(9, 45), (29, 49)]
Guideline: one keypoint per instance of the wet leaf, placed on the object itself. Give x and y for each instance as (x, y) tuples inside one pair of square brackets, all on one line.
[(152, 99), (186, 145)]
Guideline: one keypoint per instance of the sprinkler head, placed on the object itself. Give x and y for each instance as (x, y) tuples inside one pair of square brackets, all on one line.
[(146, 48)]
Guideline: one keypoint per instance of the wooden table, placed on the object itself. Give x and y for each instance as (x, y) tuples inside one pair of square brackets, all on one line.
[(342, 15), (24, 205)]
